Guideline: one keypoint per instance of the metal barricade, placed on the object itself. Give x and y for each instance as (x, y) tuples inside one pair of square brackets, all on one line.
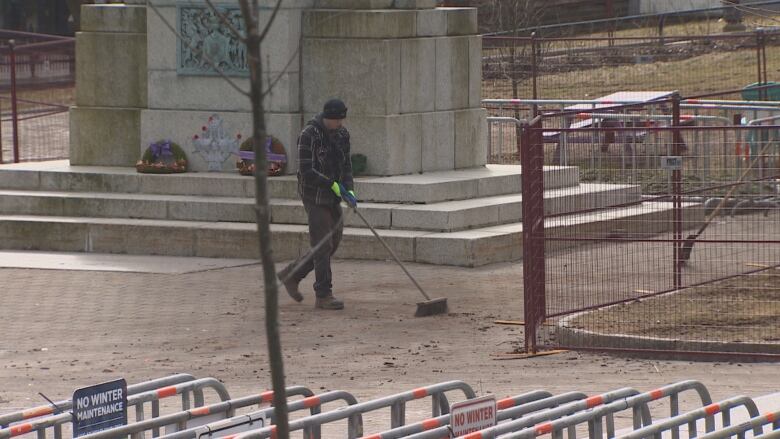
[(496, 152), (397, 404), (771, 418), (138, 401), (243, 423), (503, 147), (561, 104), (38, 129), (180, 421), (639, 404), (444, 420), (690, 418), (44, 410), (547, 409)]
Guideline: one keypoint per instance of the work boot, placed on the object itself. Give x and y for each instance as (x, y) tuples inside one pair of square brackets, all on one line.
[(328, 302), (291, 285)]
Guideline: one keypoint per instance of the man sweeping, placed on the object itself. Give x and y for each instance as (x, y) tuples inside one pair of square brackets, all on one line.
[(324, 179)]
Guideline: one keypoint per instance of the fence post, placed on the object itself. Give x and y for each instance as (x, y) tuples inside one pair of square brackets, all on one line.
[(759, 54), (14, 113), (763, 66), (532, 161), (661, 23), (534, 90), (676, 192), (32, 61), (610, 12)]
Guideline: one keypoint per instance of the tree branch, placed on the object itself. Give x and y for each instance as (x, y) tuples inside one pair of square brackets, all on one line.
[(227, 23), (284, 70), (271, 20)]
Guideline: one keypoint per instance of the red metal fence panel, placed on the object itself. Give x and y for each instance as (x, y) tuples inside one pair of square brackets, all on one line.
[(37, 86), (670, 240)]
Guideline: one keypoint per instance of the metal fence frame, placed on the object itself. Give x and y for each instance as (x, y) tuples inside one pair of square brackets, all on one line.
[(224, 409), (8, 419), (527, 415), (441, 422), (523, 109), (770, 418), (674, 423), (537, 57), (640, 411), (35, 47), (534, 239), (594, 414), (313, 403), (138, 400), (520, 417), (397, 404), (507, 413)]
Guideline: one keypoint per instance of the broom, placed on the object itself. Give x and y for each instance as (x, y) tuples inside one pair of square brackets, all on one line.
[(430, 306)]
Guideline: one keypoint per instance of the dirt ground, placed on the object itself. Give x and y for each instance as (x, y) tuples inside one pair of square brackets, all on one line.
[(67, 329), (741, 309)]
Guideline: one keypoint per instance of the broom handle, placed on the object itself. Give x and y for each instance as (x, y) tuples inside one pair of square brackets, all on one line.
[(310, 254), (731, 191), (392, 253)]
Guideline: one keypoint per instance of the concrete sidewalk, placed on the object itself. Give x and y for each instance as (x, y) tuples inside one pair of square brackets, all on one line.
[(117, 263)]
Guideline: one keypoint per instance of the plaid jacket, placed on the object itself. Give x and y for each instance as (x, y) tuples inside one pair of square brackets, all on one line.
[(321, 162)]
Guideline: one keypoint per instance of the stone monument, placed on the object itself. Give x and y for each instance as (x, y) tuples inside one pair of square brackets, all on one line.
[(410, 74), (111, 92)]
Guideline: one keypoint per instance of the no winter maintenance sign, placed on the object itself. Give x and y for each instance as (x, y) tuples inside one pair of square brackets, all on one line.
[(473, 415), (99, 407)]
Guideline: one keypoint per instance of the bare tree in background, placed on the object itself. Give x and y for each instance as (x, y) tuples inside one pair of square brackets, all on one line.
[(509, 17), (254, 37), (514, 63), (255, 33)]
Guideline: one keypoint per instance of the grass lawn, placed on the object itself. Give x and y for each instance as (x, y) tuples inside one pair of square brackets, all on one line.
[(692, 67)]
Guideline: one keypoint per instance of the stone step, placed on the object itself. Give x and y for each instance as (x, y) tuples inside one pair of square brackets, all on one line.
[(124, 205), (430, 187), (473, 248), (444, 216), (469, 248)]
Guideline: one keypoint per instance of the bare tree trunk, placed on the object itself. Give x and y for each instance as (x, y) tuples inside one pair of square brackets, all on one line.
[(254, 38)]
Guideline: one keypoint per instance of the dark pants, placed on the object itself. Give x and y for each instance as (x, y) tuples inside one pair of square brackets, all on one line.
[(322, 219)]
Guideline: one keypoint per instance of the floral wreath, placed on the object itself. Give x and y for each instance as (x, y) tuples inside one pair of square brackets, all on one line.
[(275, 156), (162, 157)]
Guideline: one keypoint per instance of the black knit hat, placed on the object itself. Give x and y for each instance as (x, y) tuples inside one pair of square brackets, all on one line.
[(334, 109)]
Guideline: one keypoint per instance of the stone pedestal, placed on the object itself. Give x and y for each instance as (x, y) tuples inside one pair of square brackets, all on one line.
[(410, 77), (111, 86), (410, 74)]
